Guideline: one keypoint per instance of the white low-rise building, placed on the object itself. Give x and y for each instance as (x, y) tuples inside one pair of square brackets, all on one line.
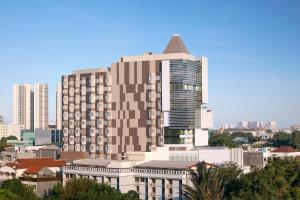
[(213, 155), (159, 174), (156, 179), (282, 151)]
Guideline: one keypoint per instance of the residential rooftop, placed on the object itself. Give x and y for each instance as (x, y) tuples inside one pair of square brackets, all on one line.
[(284, 149)]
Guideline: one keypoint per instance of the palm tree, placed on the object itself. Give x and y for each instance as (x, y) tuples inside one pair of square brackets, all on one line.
[(208, 182)]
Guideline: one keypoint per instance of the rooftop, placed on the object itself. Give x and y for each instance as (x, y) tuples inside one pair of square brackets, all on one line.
[(284, 149), (51, 147), (92, 162), (166, 164), (176, 45), (33, 169), (90, 70), (29, 162)]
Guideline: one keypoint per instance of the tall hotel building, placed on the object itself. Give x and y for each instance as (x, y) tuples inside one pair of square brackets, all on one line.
[(40, 106), (23, 105), (137, 104), (59, 106)]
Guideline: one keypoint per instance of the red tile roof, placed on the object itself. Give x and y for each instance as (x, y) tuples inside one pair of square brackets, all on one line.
[(284, 149), (33, 169), (44, 162)]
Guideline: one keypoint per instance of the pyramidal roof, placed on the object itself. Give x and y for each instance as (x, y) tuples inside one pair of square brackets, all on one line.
[(176, 45)]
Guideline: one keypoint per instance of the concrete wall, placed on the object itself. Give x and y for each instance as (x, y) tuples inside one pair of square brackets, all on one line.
[(255, 159)]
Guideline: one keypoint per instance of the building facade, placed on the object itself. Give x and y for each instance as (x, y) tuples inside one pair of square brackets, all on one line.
[(48, 136), (59, 106), (11, 130), (156, 179), (23, 112), (213, 155), (138, 103), (40, 106)]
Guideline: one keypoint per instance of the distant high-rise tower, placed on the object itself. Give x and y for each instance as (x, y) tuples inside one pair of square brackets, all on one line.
[(1, 120), (23, 105), (40, 106), (59, 106)]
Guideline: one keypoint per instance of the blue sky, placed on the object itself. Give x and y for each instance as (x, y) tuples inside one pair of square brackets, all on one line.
[(253, 47)]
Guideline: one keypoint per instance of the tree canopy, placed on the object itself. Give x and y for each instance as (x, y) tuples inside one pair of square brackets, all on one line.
[(280, 179), (16, 187), (285, 139), (224, 139), (11, 137), (86, 189), (8, 195), (3, 141), (210, 182), (281, 139)]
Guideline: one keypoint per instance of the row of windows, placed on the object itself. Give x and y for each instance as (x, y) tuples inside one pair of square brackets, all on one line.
[(137, 170), (184, 86)]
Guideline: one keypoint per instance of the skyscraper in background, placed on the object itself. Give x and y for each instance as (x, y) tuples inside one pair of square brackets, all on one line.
[(59, 106), (23, 112), (1, 119), (243, 124), (40, 106)]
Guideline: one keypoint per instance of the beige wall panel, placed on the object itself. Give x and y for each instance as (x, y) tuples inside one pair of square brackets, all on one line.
[(131, 73), (121, 73), (139, 72), (152, 66)]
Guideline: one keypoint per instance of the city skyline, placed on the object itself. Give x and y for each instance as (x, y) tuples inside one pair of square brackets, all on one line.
[(41, 49)]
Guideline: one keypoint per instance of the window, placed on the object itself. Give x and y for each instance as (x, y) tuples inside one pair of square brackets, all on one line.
[(107, 132), (107, 114)]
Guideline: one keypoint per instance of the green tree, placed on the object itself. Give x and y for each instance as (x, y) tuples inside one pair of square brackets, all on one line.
[(56, 192), (8, 195), (15, 186), (281, 139), (85, 189), (3, 145), (278, 180), (3, 142), (131, 195), (11, 137), (222, 140), (295, 139), (209, 183)]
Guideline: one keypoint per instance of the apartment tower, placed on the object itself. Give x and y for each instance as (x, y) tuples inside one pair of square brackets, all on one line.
[(23, 106), (40, 106), (59, 106), (138, 103)]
